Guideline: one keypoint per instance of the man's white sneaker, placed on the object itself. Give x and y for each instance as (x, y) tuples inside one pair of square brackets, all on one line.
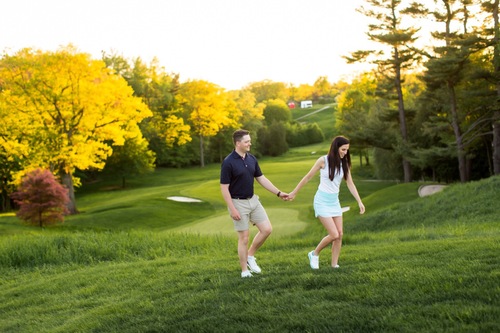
[(313, 260), (252, 264), (246, 274), (336, 266)]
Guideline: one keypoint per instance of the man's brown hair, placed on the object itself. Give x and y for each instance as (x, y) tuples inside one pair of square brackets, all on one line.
[(239, 134)]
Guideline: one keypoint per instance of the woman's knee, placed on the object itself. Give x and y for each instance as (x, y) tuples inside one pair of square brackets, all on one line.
[(334, 236)]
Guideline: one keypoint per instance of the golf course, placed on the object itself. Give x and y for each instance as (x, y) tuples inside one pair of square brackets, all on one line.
[(133, 260)]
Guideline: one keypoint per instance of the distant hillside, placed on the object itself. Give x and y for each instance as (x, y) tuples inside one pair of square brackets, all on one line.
[(325, 118)]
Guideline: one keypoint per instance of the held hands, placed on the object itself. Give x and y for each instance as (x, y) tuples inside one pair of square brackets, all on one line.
[(283, 196), (286, 196)]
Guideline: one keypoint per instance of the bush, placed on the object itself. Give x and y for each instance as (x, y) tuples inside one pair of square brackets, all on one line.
[(277, 111), (272, 140), (298, 135), (42, 200)]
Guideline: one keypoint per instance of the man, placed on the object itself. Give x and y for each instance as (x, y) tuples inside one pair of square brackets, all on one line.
[(236, 181)]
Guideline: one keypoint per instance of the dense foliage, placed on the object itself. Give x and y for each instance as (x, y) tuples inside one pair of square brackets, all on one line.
[(436, 123), (63, 110)]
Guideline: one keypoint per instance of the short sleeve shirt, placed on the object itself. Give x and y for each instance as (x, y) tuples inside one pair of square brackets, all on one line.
[(239, 173)]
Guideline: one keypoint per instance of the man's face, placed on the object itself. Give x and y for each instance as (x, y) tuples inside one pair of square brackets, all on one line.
[(244, 144)]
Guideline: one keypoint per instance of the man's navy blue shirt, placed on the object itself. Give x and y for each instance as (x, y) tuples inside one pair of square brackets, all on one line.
[(239, 173)]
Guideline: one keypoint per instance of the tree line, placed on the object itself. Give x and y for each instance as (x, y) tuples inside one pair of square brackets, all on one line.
[(449, 109), (430, 112), (80, 117)]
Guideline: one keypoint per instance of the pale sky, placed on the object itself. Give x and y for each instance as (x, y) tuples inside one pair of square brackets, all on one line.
[(227, 42)]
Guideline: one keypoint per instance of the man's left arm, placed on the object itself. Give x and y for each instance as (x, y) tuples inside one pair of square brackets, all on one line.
[(266, 183)]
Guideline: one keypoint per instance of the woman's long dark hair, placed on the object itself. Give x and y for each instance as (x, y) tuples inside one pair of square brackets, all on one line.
[(334, 158)]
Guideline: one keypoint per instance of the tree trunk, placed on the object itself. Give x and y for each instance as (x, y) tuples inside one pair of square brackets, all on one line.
[(462, 168), (5, 202), (496, 140), (67, 181), (221, 154), (402, 121), (202, 153), (496, 114)]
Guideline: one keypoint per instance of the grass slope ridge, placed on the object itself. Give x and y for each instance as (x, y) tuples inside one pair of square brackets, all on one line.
[(460, 204), (425, 265)]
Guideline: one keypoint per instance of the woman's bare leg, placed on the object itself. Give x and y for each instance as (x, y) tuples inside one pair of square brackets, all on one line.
[(337, 243), (333, 234)]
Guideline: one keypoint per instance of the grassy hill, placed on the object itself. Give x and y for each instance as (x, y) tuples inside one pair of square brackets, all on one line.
[(323, 115), (133, 261)]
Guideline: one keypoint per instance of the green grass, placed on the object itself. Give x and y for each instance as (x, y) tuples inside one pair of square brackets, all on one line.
[(133, 261)]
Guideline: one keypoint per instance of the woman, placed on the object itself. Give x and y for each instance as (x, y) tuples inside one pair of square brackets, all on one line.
[(332, 167)]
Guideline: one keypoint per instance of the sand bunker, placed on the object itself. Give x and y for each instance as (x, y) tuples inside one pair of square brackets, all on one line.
[(426, 190), (183, 199)]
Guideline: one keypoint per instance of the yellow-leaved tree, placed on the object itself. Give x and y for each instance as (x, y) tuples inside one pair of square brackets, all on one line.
[(63, 111), (209, 109), (252, 113)]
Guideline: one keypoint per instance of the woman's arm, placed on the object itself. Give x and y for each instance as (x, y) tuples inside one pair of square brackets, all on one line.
[(320, 163), (354, 191)]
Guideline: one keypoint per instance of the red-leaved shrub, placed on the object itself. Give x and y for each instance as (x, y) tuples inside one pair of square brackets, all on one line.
[(42, 200)]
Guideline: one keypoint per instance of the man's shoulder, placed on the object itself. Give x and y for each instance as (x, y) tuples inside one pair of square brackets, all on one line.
[(251, 156), (229, 157)]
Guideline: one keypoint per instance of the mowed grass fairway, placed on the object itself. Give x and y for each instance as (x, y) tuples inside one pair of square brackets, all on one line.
[(133, 261)]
